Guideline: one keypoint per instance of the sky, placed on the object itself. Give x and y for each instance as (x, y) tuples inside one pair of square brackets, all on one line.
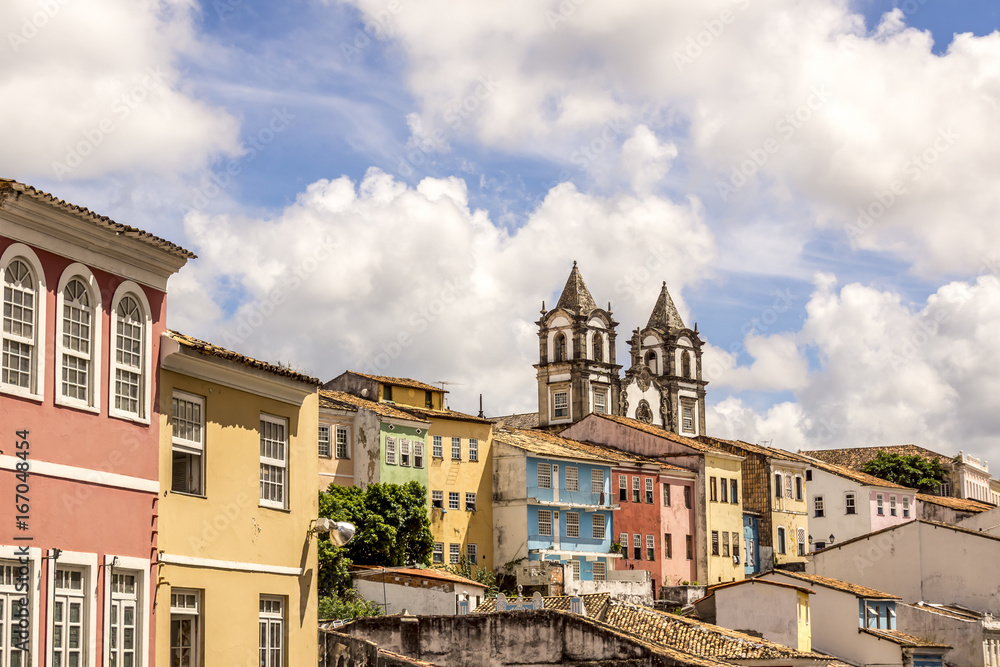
[(395, 187)]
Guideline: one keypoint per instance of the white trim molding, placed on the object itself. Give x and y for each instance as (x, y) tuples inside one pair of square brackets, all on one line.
[(89, 562), (142, 566), (93, 403), (10, 552), (129, 288), (87, 475), (37, 390), (235, 566)]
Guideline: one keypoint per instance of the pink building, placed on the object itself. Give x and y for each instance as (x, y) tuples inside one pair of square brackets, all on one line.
[(84, 304)]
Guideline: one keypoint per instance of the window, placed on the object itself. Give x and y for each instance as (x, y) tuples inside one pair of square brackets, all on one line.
[(69, 618), (473, 449), (686, 364), (788, 486), (390, 451), (687, 415), (689, 546), (418, 454), (437, 448), (324, 441), (453, 503), (273, 461), (12, 605), (23, 319), (777, 485), (650, 551), (404, 452), (798, 487), (428, 400), (470, 552), (880, 505), (809, 475), (687, 497), (635, 490), (715, 543), (572, 478), (668, 545), (456, 449), (272, 631), (649, 491), (736, 545), (906, 506), (575, 567), (637, 546), (598, 347), (623, 541), (600, 571), (892, 505), (596, 481), (387, 393), (818, 506), (598, 526), (712, 490), (78, 330), (128, 364), (559, 347), (666, 495), (622, 488), (572, 524), (343, 449), (734, 495), (545, 522), (454, 552), (544, 475), (601, 402), (185, 628), (781, 540), (438, 552), (801, 533), (560, 404), (725, 543), (437, 499), (724, 485), (849, 504), (188, 438), (470, 502)]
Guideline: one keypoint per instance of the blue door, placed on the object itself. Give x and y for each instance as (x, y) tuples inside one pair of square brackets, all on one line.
[(751, 548)]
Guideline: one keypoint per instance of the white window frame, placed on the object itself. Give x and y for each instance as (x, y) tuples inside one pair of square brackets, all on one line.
[(83, 274), (187, 611), (418, 454), (454, 500), (880, 504), (782, 540), (276, 463), (87, 562), (454, 553), (650, 548), (325, 437), (136, 566), (600, 401), (572, 524), (471, 552), (819, 507), (470, 507), (456, 449), (9, 556), (893, 509), (599, 571), (438, 553), (596, 481), (437, 447), (346, 430), (595, 524), (126, 289), (850, 503), (405, 459), (572, 478), (186, 446), (437, 497), (650, 496), (689, 415), (574, 568), (473, 449), (548, 515), (560, 397), (269, 618), (800, 541), (390, 450), (36, 391), (548, 475), (906, 507), (636, 486)]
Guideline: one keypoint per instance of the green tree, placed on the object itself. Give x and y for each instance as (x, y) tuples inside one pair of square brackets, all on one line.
[(469, 570), (912, 471), (393, 529)]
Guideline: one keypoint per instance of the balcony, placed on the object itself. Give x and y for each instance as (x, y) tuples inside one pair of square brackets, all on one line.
[(564, 498)]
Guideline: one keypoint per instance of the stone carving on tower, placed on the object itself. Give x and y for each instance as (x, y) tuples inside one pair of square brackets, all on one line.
[(665, 373), (576, 368)]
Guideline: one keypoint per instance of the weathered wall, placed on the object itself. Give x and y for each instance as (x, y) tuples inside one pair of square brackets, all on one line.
[(415, 596), (635, 592), (987, 522), (964, 636), (760, 609)]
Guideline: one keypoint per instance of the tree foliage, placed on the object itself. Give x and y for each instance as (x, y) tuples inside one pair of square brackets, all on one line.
[(469, 570), (912, 471), (393, 529), (348, 604)]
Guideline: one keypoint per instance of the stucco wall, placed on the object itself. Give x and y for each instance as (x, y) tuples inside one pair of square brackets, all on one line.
[(988, 522), (759, 608), (965, 637), (435, 598), (333, 470)]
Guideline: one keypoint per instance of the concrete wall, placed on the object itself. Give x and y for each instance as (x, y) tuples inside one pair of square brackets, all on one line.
[(964, 636), (636, 592), (988, 522), (760, 609), (414, 596)]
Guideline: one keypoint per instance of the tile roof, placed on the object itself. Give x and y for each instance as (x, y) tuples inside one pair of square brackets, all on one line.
[(856, 457), (406, 660), (443, 414), (400, 382), (594, 603), (838, 585), (8, 185), (209, 349), (541, 442), (961, 504), (575, 296), (697, 445), (948, 610), (757, 580), (903, 639), (770, 452), (665, 315), (420, 573), (341, 400), (523, 421), (850, 473)]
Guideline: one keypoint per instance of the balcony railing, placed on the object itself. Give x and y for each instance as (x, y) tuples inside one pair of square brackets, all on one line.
[(570, 497)]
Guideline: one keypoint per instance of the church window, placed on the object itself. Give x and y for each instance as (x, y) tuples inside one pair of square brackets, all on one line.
[(687, 415), (686, 364), (598, 347), (560, 404), (560, 347), (600, 402), (651, 361)]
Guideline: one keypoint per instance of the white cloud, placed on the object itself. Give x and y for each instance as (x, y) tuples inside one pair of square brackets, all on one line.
[(383, 277), (91, 88), (645, 159)]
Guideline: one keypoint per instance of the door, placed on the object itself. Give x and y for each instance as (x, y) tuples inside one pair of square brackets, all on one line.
[(751, 560)]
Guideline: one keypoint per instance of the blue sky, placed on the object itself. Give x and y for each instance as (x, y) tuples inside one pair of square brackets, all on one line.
[(479, 151)]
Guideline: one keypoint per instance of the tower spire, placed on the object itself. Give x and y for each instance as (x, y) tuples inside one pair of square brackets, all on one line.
[(665, 315), (575, 295)]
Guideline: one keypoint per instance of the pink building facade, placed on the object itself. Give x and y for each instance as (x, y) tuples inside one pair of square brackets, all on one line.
[(84, 304)]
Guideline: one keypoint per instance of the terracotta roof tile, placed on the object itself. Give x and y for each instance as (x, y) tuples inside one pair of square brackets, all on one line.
[(341, 399), (961, 504), (770, 452), (838, 585), (400, 382), (697, 445), (594, 604), (903, 639), (215, 351), (443, 414), (8, 186), (857, 457), (423, 573), (541, 442), (526, 420), (850, 473), (948, 610)]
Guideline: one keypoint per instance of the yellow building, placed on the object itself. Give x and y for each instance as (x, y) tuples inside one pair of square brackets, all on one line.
[(724, 515), (237, 571), (789, 512)]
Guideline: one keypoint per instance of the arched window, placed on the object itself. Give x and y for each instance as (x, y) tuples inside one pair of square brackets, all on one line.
[(651, 361), (781, 540), (598, 344), (78, 334), (130, 356), (22, 361), (560, 347), (686, 364)]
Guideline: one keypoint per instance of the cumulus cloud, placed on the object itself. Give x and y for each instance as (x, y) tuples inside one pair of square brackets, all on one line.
[(382, 277), (92, 88)]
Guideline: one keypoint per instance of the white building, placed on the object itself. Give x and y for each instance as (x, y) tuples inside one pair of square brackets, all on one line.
[(973, 636), (777, 611), (417, 591)]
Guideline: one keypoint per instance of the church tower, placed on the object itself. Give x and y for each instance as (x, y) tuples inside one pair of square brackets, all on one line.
[(663, 387), (576, 366)]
